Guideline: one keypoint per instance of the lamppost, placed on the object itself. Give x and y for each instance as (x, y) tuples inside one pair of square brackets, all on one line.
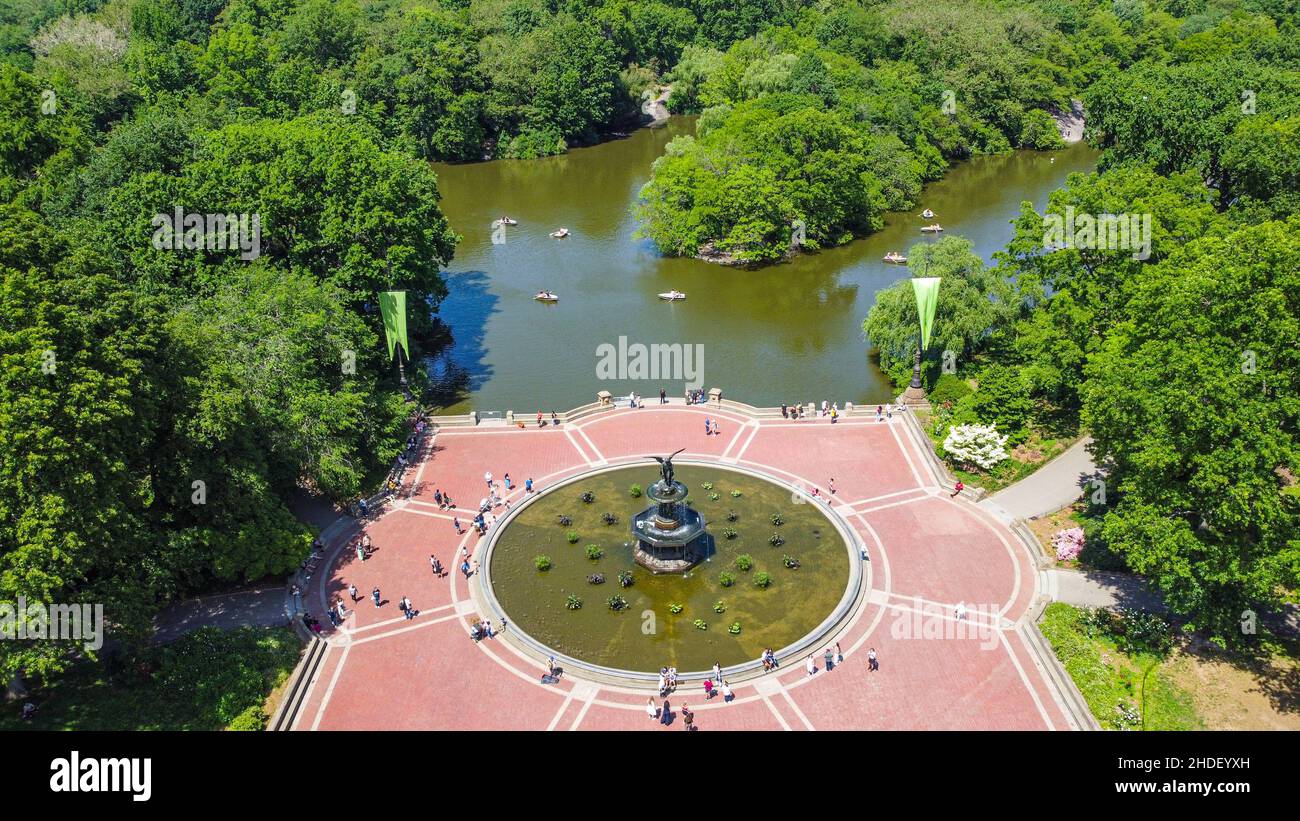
[(926, 291)]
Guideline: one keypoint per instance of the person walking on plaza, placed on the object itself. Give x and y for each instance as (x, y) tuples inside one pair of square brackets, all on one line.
[(812, 665), (464, 567), (708, 689), (832, 486), (957, 488), (405, 606), (361, 552), (839, 657), (872, 664), (727, 695), (665, 713), (487, 477), (651, 709), (343, 611), (708, 426), (528, 485), (829, 659), (352, 591), (688, 718), (663, 397)]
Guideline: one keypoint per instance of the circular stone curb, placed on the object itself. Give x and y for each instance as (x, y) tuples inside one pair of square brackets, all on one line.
[(847, 606)]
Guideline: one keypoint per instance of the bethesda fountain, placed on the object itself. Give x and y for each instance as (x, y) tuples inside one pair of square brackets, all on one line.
[(670, 535)]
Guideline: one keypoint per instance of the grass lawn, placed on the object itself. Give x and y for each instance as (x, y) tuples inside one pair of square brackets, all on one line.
[(1124, 691), (210, 679)]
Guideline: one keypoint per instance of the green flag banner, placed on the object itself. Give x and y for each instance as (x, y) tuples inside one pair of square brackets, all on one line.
[(392, 304), (927, 300)]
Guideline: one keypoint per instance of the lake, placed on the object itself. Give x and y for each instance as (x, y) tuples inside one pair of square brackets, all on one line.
[(788, 332)]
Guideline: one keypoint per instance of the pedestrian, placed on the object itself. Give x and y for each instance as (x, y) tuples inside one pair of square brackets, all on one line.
[(297, 598), (961, 611), (872, 664), (717, 671), (365, 542), (663, 397), (437, 497), (487, 628), (352, 591), (374, 594), (455, 522), (835, 415), (507, 481), (832, 486), (665, 714), (365, 508), (688, 718), (528, 485), (555, 420), (407, 609), (839, 657), (957, 488), (879, 412), (708, 426), (487, 477), (464, 568), (812, 665), (663, 681), (361, 552), (717, 428), (727, 695), (343, 611), (435, 565), (829, 659), (540, 423), (651, 709), (708, 689)]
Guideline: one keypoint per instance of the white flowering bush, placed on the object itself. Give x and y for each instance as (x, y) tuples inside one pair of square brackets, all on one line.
[(1068, 543), (976, 444)]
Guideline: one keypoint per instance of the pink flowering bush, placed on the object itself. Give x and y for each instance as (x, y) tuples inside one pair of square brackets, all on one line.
[(1068, 543)]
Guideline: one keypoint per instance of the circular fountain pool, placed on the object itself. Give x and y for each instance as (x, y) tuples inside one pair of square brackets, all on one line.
[(720, 610)]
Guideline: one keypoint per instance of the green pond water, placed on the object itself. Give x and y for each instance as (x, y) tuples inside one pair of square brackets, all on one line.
[(646, 635), (784, 332)]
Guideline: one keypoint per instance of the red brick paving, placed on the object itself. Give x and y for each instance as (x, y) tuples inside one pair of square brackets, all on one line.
[(385, 672)]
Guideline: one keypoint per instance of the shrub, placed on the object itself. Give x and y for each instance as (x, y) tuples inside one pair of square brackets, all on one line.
[(587, 497), (594, 552), (744, 562), (719, 607), (790, 562), (616, 603), (565, 521), (572, 536), (609, 518), (634, 491), (706, 485), (777, 519), (736, 494), (676, 608), (732, 515), (776, 540), (700, 624), (762, 579), (726, 579), (572, 602), (713, 497), (596, 578), (948, 388), (979, 445), (729, 532), (1068, 543), (251, 719), (625, 578), (542, 562), (734, 629)]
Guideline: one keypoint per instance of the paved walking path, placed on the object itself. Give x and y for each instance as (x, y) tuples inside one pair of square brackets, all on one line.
[(926, 552), (247, 608), (1048, 489)]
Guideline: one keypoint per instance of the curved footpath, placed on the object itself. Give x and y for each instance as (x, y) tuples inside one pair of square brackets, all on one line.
[(923, 553)]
